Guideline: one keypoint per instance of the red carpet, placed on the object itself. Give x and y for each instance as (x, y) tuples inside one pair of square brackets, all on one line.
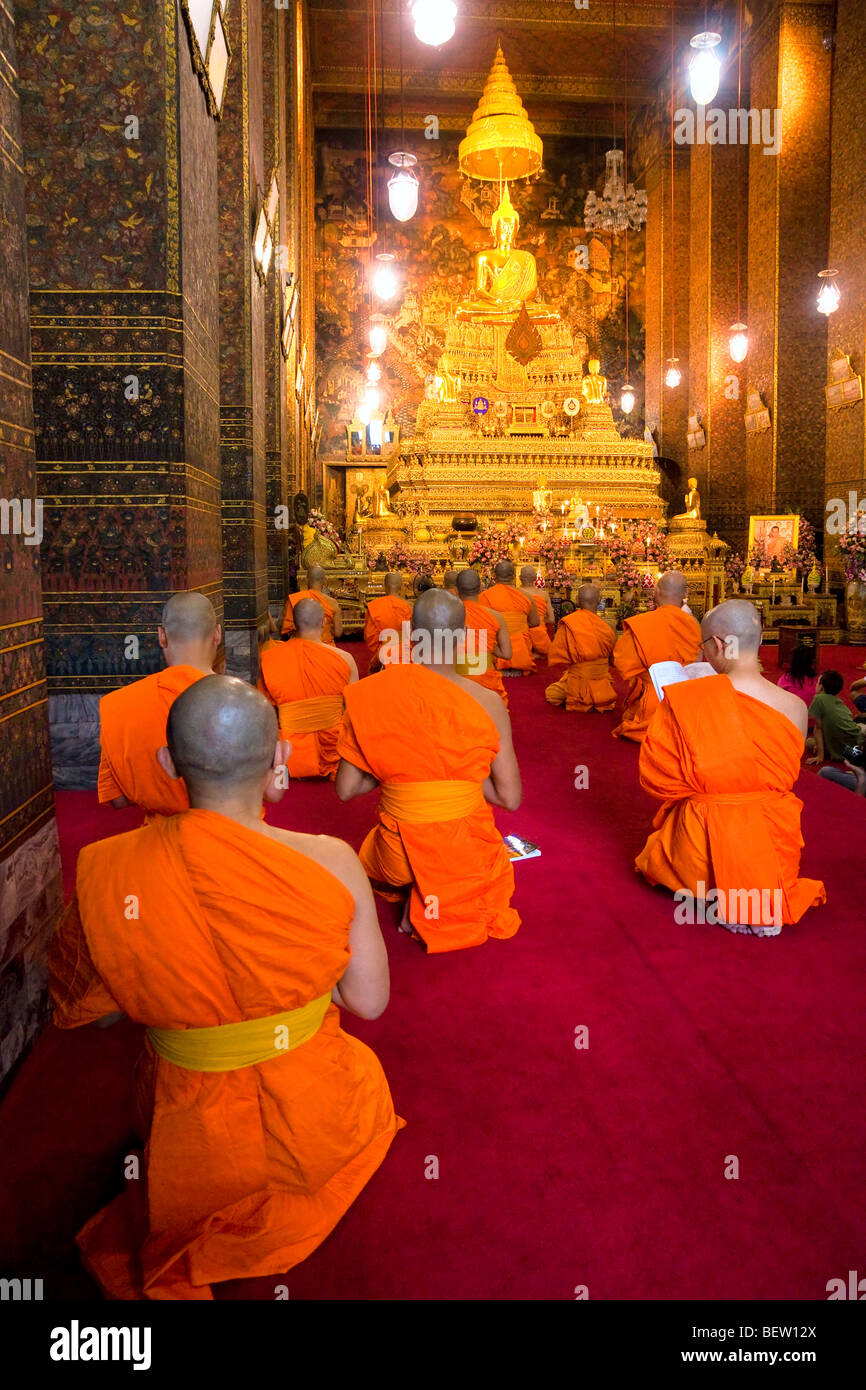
[(557, 1167)]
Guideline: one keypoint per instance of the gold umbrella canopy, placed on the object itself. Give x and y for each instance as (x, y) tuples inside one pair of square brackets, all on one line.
[(500, 142)]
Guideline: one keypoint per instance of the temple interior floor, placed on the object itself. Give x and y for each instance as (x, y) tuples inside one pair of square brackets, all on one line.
[(558, 1167)]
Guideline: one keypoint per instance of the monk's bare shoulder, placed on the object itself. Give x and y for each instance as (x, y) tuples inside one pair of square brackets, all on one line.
[(332, 854), (791, 706), (349, 660), (488, 699)]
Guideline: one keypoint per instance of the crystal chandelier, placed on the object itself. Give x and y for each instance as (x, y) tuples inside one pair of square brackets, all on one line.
[(620, 207)]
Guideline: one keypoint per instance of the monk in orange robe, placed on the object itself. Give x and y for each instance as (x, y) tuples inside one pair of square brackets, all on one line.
[(666, 633), (440, 747), (236, 944), (304, 679), (386, 615), (333, 617), (449, 582), (722, 754), (132, 720), (539, 636), (584, 641), (487, 636), (520, 614)]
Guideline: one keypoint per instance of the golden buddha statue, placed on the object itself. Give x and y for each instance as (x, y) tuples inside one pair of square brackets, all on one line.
[(447, 383), (381, 501), (542, 497), (505, 278), (693, 504), (594, 386)]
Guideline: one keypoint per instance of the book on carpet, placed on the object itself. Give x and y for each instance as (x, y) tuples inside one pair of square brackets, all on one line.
[(664, 673), (518, 848)]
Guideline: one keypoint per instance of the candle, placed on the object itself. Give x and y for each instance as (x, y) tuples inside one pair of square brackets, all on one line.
[(521, 542)]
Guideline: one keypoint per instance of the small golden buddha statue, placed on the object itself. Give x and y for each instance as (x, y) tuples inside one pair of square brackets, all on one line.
[(594, 386), (381, 501), (542, 497), (693, 503), (448, 383)]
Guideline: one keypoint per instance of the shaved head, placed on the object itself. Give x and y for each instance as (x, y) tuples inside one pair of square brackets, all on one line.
[(188, 617), (671, 589), (393, 583), (589, 597), (737, 619), (468, 583), (309, 615), (438, 611), (423, 583), (449, 579), (504, 572), (315, 576), (221, 735), (528, 574)]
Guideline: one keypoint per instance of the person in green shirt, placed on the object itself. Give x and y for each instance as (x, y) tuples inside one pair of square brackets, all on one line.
[(835, 726)]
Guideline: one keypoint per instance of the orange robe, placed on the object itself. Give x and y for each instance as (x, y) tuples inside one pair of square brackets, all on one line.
[(585, 641), (514, 606), (486, 629), (305, 681), (411, 725), (248, 1170), (539, 637), (385, 615), (132, 724), (723, 765), (327, 603), (663, 634)]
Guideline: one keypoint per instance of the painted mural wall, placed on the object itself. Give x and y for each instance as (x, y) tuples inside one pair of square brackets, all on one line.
[(435, 254)]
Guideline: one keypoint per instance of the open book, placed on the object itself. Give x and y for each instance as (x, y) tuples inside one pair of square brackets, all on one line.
[(518, 848), (664, 673)]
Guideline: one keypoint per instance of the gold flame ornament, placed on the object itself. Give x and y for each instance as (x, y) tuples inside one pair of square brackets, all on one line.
[(500, 142)]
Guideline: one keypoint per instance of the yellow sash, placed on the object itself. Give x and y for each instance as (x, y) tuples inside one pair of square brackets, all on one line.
[(479, 667), (307, 716), (515, 622), (230, 1046), (422, 803), (594, 670)]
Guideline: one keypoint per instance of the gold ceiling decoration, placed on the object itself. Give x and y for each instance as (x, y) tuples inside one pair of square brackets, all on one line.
[(500, 142)]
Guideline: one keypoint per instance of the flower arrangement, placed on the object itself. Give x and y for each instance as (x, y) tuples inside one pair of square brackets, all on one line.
[(320, 523), (486, 548), (552, 552), (735, 568), (852, 548)]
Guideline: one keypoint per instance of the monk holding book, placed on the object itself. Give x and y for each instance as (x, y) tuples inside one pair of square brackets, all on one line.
[(722, 754), (666, 633)]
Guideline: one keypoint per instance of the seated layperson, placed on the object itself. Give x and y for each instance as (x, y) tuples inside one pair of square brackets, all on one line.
[(585, 641), (722, 754), (440, 746), (132, 719), (264, 1119), (835, 726), (304, 679)]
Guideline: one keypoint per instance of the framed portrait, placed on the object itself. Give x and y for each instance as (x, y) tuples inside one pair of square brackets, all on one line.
[(772, 534)]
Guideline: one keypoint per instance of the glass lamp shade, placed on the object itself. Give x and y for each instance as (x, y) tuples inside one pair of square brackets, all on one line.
[(384, 279), (626, 400), (372, 397), (374, 372), (705, 68), (828, 295), (434, 20), (403, 186), (365, 412), (673, 375), (738, 344), (378, 336)]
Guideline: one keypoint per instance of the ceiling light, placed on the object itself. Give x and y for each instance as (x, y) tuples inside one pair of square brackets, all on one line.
[(434, 20), (738, 344), (705, 68), (403, 186)]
